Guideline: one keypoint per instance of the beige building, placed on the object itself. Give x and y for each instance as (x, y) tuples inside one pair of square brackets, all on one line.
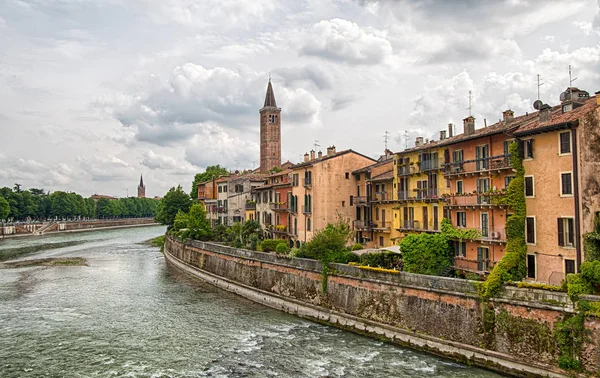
[(323, 188)]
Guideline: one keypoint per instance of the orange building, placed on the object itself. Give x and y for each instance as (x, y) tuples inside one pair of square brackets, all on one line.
[(271, 202)]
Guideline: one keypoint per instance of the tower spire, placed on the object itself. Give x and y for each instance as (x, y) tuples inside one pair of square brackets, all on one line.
[(141, 181), (270, 96)]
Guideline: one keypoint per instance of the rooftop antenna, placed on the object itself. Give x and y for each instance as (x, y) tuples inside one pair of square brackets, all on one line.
[(571, 80), (406, 139), (236, 164), (316, 144), (385, 139), (538, 86), (470, 105)]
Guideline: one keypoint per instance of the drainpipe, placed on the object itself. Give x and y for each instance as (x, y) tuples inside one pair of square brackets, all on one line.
[(576, 194)]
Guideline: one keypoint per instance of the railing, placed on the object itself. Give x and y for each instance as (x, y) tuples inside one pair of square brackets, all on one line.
[(431, 193), (411, 224), (306, 209), (477, 165), (290, 231), (379, 225), (278, 206), (381, 196), (307, 182), (250, 205), (470, 200), (360, 200), (404, 195), (407, 170), (363, 224), (428, 165), (493, 234), (221, 209), (279, 229)]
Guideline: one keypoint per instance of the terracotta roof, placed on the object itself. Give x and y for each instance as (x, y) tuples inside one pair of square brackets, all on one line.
[(269, 186), (558, 118), (99, 196), (389, 175), (327, 157), (284, 172), (377, 164)]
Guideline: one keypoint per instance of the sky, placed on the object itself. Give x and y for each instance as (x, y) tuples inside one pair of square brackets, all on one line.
[(94, 93)]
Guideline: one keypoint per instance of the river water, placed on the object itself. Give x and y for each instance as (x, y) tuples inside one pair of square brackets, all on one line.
[(128, 314)]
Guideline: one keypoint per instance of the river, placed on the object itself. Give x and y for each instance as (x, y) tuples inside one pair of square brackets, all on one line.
[(128, 314)]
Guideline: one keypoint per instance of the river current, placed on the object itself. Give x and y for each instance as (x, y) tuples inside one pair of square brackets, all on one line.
[(128, 314)]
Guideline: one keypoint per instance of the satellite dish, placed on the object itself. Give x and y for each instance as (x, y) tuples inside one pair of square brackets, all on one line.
[(537, 104), (563, 96)]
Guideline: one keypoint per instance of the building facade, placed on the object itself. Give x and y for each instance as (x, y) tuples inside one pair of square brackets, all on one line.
[(240, 191)]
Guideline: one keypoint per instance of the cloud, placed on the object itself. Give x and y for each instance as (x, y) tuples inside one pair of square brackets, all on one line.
[(32, 173), (105, 168), (461, 48), (215, 146), (304, 75), (155, 161), (344, 41)]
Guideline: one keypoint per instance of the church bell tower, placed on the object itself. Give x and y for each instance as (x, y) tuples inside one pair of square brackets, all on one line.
[(141, 188), (270, 132)]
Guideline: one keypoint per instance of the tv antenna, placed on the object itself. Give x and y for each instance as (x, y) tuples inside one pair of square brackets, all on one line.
[(571, 79), (316, 144), (385, 139), (406, 139), (236, 164), (470, 104), (538, 86)]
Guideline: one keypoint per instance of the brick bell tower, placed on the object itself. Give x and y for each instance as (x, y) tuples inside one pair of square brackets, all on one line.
[(270, 132)]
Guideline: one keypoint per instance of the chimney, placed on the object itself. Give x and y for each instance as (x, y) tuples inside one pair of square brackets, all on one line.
[(330, 150), (306, 157), (320, 154), (469, 125), (442, 134), (450, 130), (418, 141), (508, 115), (312, 155), (545, 113)]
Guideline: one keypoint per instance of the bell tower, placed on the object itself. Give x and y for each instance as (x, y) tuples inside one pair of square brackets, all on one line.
[(141, 188), (270, 132)]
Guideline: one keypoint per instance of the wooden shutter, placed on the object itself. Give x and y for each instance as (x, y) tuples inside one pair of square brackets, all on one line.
[(561, 232), (464, 249), (571, 240), (521, 149), (446, 156)]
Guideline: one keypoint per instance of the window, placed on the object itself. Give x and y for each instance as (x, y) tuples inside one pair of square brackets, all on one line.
[(507, 146), (565, 142), (459, 187), (483, 257), (507, 181), (381, 241), (529, 192), (566, 234), (530, 230), (531, 266), (569, 266), (295, 179), (457, 156), (343, 203), (376, 213), (460, 249), (461, 219), (347, 175), (224, 188), (308, 224), (566, 184), (272, 118), (528, 149), (351, 200), (220, 189)]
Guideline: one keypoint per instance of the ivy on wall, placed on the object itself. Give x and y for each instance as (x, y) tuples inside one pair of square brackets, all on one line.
[(512, 266), (449, 231)]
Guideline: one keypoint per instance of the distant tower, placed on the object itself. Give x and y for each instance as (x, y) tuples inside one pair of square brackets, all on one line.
[(141, 188), (270, 132)]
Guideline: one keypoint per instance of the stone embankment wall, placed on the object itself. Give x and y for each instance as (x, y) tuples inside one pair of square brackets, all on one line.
[(511, 334), (52, 227)]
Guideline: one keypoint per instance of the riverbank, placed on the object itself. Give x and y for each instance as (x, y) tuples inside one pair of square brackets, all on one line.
[(512, 334), (65, 261), (88, 226)]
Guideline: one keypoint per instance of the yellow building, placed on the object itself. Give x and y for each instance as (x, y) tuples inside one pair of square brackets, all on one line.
[(382, 207), (420, 187)]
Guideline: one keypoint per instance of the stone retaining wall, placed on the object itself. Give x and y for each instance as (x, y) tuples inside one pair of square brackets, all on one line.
[(437, 314)]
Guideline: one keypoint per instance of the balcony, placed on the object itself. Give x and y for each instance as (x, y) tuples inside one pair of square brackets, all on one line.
[(429, 165), (363, 225), (250, 205), (474, 167), (405, 170), (416, 226), (221, 209), (361, 201), (381, 196), (382, 226), (493, 235), (278, 206), (473, 201), (306, 210), (292, 209), (307, 182), (425, 195)]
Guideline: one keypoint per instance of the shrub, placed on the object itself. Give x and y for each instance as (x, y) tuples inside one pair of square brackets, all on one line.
[(382, 259), (577, 285), (281, 248), (426, 253), (329, 244), (590, 270), (356, 247), (270, 245)]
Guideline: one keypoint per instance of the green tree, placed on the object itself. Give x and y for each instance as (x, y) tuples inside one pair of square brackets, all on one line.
[(211, 170), (175, 199), (4, 208), (198, 224), (329, 244), (426, 253)]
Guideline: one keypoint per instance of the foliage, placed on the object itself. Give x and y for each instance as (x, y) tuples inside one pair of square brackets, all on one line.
[(356, 247), (380, 259), (281, 247), (275, 170), (456, 233), (4, 208), (570, 336), (180, 222), (512, 266), (254, 239), (380, 270), (576, 286), (192, 225), (591, 246), (528, 285), (207, 175), (175, 199), (426, 253), (159, 242), (329, 244), (270, 245), (590, 270), (220, 233)]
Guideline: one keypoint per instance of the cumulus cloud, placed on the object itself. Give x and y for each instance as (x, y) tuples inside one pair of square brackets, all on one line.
[(105, 168), (215, 146), (305, 75), (154, 161), (344, 41), (33, 173)]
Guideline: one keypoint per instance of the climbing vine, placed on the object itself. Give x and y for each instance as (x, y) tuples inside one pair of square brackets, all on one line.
[(449, 231), (324, 276), (512, 267)]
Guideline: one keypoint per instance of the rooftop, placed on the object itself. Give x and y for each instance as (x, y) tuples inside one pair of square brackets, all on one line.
[(327, 157)]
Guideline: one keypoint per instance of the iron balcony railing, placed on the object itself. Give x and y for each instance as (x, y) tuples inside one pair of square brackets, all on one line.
[(407, 170), (411, 224), (307, 182), (363, 225), (381, 196), (477, 165), (278, 206), (418, 194), (382, 226), (360, 200), (428, 165), (469, 200), (250, 205), (221, 209), (306, 209)]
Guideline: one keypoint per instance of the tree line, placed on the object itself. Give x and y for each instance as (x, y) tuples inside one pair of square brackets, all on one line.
[(36, 204)]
